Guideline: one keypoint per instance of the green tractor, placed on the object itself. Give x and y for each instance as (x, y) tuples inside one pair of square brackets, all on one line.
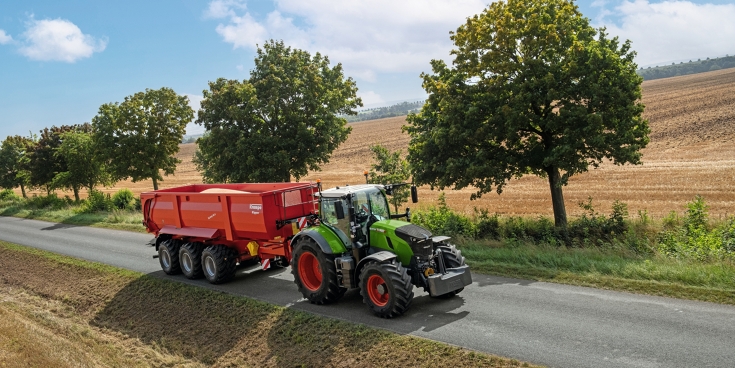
[(355, 242)]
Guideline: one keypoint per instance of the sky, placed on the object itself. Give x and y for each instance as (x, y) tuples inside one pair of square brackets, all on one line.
[(61, 60)]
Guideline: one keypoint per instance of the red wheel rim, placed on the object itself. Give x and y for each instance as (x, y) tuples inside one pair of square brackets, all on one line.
[(309, 271), (375, 285)]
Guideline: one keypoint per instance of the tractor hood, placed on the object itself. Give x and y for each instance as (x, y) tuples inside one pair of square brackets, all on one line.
[(417, 238)]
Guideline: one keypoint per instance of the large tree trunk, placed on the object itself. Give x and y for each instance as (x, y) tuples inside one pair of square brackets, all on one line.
[(76, 193), (23, 190), (155, 183), (557, 197)]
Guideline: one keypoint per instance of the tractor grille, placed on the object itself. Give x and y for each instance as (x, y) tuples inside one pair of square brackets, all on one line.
[(418, 238)]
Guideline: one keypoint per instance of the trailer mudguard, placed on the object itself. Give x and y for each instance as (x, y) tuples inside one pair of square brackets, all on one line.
[(327, 240), (380, 257)]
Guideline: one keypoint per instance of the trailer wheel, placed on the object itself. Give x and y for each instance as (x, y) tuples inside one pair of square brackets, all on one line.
[(168, 256), (386, 288), (452, 258), (190, 258), (314, 273), (219, 263)]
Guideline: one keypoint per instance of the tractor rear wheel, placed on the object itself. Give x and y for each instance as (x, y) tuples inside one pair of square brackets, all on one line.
[(190, 258), (452, 258), (386, 288), (168, 256), (314, 273), (219, 263)]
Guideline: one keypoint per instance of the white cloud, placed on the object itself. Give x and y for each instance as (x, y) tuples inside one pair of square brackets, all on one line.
[(58, 40), (223, 8), (367, 37), (370, 98), (672, 31), (5, 38)]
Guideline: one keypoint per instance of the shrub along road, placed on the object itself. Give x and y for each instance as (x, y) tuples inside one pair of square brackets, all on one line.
[(551, 324)]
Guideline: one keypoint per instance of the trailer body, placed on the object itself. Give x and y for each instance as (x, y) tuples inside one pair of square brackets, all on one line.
[(256, 220)]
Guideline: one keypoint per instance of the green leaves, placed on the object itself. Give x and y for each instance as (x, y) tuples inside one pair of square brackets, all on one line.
[(139, 137), (533, 89), (278, 124)]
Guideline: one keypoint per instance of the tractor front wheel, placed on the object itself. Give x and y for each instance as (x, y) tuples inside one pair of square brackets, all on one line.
[(386, 288), (168, 256), (219, 263), (314, 273)]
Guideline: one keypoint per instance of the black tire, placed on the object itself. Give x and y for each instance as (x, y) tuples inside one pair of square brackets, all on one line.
[(386, 288), (168, 256), (219, 263), (190, 259), (317, 282), (452, 258)]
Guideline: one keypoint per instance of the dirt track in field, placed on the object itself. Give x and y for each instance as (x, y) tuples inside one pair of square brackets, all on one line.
[(692, 151)]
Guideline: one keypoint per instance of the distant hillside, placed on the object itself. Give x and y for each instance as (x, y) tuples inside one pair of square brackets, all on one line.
[(400, 109), (692, 67)]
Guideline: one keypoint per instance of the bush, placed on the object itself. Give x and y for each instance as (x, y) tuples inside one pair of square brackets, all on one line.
[(96, 202), (442, 220), (123, 199), (8, 195), (695, 239), (51, 201)]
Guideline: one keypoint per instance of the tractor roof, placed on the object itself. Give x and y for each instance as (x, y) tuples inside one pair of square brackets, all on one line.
[(349, 189)]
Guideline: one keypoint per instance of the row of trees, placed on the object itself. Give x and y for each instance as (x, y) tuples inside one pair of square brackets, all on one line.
[(400, 109), (136, 139), (692, 67), (533, 89)]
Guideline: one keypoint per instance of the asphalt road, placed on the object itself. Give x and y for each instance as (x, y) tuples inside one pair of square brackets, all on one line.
[(538, 322)]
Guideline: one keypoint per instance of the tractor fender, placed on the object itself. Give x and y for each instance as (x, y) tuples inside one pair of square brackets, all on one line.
[(318, 238), (380, 257)]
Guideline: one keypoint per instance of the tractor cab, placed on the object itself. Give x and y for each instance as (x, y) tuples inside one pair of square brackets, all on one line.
[(351, 210)]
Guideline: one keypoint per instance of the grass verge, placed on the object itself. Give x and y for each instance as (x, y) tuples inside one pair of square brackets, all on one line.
[(116, 219), (614, 269), (59, 311)]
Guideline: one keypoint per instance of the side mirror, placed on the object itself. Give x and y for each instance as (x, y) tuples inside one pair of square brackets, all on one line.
[(414, 194), (339, 210)]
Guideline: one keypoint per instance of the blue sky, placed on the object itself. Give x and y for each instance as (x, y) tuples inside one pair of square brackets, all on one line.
[(60, 60)]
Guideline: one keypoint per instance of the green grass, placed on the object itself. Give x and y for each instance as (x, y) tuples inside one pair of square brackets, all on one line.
[(617, 269), (117, 219)]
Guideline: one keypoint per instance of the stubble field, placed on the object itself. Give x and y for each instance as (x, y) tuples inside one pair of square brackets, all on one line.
[(692, 151)]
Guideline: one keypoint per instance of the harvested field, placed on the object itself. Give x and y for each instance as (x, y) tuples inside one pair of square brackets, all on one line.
[(692, 151)]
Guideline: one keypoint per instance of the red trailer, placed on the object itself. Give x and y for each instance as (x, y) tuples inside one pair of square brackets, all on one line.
[(208, 228)]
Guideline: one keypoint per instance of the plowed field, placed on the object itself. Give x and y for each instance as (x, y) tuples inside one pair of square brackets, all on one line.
[(692, 151)]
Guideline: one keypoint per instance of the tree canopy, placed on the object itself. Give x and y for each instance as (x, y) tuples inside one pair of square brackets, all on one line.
[(279, 123), (43, 162), (533, 89), (14, 163), (139, 137), (83, 166)]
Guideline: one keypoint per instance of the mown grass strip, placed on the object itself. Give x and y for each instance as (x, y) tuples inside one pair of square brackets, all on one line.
[(117, 220), (202, 326), (608, 269)]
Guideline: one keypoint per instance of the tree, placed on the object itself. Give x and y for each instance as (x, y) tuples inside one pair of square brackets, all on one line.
[(43, 162), (139, 137), (534, 89), (390, 168), (83, 166), (278, 124), (14, 163)]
